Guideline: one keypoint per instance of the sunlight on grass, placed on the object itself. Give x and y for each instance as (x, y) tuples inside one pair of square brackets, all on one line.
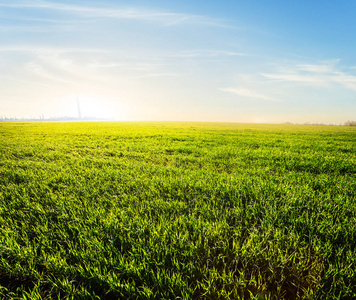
[(166, 209)]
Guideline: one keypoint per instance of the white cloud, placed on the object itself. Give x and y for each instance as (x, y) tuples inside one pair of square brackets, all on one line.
[(157, 75), (243, 92), (323, 75), (24, 82), (347, 81), (166, 18), (295, 77), (206, 53), (315, 68), (83, 67), (39, 49), (324, 67), (38, 70)]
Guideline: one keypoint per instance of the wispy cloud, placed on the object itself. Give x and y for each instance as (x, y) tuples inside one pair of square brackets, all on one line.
[(24, 81), (38, 70), (124, 64), (25, 29), (324, 67), (166, 18), (247, 93), (315, 68), (78, 66), (205, 53), (148, 75), (324, 74), (40, 49), (296, 77)]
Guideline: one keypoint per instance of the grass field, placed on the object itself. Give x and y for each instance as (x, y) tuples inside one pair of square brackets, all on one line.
[(177, 211)]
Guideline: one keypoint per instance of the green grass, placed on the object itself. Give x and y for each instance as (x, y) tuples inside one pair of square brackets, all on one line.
[(177, 211)]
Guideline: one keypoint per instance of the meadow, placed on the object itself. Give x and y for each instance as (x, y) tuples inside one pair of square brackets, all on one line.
[(162, 210)]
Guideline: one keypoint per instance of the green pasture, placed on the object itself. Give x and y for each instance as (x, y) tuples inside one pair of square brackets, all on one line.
[(161, 210)]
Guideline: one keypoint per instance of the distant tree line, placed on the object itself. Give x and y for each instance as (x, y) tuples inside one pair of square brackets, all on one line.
[(64, 119), (350, 123)]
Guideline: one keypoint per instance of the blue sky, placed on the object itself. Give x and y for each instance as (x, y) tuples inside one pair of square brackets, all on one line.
[(233, 61)]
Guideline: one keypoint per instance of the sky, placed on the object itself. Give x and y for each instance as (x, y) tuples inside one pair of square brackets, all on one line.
[(226, 61)]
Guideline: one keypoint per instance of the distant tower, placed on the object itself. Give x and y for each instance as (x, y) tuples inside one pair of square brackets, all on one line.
[(78, 106)]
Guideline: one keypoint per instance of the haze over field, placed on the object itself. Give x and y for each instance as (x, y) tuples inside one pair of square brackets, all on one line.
[(239, 61)]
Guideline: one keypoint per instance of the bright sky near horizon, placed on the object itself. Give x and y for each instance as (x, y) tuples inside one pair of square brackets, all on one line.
[(235, 61)]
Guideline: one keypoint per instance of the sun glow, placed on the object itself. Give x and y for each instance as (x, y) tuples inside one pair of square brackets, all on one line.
[(94, 108), (83, 106)]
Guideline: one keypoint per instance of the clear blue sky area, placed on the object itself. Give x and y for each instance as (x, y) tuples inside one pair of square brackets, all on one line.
[(239, 61)]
